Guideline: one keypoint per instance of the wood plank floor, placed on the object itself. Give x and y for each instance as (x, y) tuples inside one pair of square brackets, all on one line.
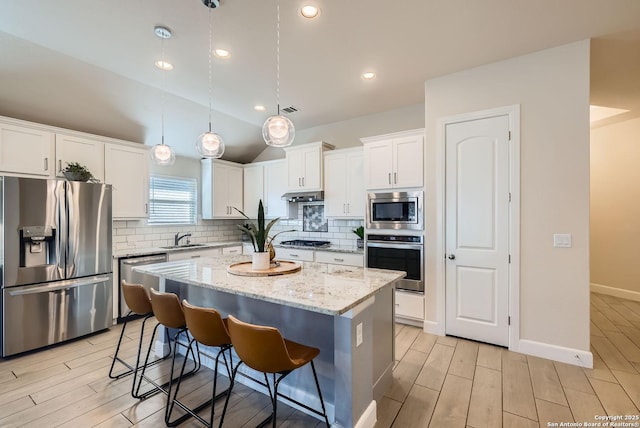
[(438, 382)]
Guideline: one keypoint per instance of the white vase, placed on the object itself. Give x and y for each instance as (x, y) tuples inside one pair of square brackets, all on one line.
[(260, 261)]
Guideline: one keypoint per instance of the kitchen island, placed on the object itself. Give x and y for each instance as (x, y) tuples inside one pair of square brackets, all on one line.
[(346, 312)]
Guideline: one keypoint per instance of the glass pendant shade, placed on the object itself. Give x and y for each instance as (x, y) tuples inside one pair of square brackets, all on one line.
[(210, 145), (278, 131), (162, 154)]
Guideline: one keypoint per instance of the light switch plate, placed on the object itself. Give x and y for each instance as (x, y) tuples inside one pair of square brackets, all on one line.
[(562, 240), (358, 335)]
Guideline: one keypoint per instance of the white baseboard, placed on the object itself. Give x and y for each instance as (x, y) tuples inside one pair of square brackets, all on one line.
[(368, 418), (617, 292), (433, 327), (557, 353)]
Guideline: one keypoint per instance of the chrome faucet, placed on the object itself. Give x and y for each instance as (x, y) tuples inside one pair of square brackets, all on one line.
[(178, 237)]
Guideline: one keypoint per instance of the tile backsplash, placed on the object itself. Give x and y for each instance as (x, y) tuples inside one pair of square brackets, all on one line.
[(131, 234)]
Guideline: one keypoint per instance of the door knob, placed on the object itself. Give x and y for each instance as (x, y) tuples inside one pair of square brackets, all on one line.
[(452, 256)]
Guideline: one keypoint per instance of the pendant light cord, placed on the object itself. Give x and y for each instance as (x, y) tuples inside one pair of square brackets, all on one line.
[(278, 55), (162, 86), (209, 56)]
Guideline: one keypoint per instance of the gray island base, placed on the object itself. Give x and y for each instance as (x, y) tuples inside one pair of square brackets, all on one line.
[(346, 312)]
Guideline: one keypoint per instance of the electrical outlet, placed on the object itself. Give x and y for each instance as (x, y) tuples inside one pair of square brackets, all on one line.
[(562, 240), (358, 335)]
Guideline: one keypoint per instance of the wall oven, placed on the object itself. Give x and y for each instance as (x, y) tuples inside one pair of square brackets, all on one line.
[(398, 252), (395, 210)]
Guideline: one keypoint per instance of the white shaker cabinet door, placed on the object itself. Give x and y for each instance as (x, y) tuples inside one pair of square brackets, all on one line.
[(26, 151), (127, 170), (84, 151)]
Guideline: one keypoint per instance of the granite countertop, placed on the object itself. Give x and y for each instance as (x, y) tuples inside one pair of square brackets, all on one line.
[(331, 248), (318, 287), (131, 252)]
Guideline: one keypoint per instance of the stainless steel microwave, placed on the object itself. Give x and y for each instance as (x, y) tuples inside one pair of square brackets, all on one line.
[(395, 210)]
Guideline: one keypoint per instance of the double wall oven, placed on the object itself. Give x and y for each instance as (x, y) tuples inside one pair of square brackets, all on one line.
[(395, 236)]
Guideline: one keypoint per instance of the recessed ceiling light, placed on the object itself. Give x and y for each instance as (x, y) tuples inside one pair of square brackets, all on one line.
[(259, 108), (164, 65), (368, 75), (222, 53), (309, 11)]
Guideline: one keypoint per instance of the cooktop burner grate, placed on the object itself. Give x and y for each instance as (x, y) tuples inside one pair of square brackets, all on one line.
[(306, 243)]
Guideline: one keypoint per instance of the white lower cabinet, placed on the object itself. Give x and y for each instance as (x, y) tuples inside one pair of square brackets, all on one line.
[(193, 254), (409, 308), (347, 259)]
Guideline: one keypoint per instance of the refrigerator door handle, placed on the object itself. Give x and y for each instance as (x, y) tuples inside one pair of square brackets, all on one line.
[(62, 234), (58, 285)]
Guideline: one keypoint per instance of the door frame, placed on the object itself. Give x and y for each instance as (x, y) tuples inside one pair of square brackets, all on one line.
[(513, 113)]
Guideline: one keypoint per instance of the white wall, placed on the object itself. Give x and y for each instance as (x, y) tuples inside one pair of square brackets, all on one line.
[(552, 88), (615, 207), (347, 133)]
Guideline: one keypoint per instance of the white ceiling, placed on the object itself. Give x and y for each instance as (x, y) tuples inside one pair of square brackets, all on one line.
[(88, 65)]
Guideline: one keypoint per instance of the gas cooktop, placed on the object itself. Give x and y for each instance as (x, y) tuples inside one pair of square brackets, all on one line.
[(306, 243)]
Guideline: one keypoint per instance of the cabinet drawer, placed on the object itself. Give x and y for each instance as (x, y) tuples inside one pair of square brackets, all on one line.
[(332, 257), (292, 254), (409, 305), (227, 251)]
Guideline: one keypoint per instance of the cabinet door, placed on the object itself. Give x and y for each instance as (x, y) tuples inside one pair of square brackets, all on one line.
[(235, 191), (378, 163), (356, 200), (408, 162), (295, 169), (253, 189), (220, 190), (127, 170), (87, 152), (26, 151), (275, 185), (335, 185), (312, 177)]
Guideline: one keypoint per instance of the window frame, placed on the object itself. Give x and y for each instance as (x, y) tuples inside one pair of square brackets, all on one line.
[(189, 184)]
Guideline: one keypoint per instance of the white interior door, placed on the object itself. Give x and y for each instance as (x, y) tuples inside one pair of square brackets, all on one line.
[(477, 229)]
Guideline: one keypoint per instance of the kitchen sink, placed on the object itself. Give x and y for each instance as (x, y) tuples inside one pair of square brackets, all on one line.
[(171, 247)]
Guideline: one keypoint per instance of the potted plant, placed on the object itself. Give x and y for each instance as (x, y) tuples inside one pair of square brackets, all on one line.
[(360, 232), (76, 172), (259, 235)]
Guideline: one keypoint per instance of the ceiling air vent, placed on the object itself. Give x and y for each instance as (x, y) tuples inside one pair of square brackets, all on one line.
[(290, 109)]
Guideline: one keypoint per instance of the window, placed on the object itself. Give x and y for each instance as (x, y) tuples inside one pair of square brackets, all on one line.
[(173, 200)]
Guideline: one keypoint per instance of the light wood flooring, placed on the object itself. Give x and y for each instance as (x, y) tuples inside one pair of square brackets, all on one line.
[(438, 382)]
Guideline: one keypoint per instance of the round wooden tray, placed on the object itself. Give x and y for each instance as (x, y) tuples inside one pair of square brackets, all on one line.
[(282, 268)]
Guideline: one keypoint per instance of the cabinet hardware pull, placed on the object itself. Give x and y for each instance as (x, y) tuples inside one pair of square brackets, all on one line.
[(59, 165), (389, 178), (348, 208), (395, 178), (195, 257), (302, 181), (338, 260), (146, 208), (294, 255), (46, 164)]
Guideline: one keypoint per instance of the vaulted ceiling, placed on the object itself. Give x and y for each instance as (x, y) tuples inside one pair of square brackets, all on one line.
[(89, 65)]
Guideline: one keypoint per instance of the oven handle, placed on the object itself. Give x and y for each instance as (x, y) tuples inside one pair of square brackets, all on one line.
[(398, 246)]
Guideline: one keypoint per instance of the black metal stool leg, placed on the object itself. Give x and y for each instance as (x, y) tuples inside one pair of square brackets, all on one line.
[(116, 358), (324, 411), (226, 401)]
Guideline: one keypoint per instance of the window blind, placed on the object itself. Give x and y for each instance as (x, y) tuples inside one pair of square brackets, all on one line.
[(173, 200)]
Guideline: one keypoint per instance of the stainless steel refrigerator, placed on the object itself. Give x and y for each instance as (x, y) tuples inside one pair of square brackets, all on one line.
[(55, 261)]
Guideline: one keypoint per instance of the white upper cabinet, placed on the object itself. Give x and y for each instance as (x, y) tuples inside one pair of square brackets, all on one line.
[(85, 151), (222, 189), (266, 181), (304, 166), (394, 160), (26, 151), (126, 168), (344, 194)]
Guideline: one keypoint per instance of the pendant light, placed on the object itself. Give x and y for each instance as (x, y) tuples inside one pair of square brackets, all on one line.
[(210, 144), (162, 154), (278, 131)]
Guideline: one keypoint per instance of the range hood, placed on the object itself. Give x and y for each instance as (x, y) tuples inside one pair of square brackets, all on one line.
[(304, 196)]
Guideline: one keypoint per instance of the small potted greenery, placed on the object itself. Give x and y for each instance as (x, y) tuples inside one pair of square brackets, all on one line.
[(259, 235), (360, 232), (76, 172)]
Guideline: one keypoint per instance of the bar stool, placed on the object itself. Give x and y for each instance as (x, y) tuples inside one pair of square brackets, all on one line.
[(263, 349), (168, 311), (208, 328), (137, 299)]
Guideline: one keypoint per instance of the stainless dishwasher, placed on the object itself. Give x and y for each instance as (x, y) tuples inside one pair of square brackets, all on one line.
[(128, 274)]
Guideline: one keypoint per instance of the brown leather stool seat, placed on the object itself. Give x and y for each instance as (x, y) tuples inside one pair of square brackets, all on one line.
[(208, 328), (168, 311), (263, 348), (137, 299)]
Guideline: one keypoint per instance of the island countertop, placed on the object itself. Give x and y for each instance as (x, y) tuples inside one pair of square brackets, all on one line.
[(318, 287)]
